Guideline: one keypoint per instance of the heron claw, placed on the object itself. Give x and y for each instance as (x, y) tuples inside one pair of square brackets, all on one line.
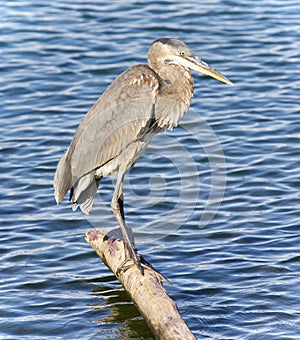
[(132, 259), (142, 264)]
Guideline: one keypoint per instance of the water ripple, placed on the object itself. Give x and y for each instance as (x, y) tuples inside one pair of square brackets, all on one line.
[(214, 204)]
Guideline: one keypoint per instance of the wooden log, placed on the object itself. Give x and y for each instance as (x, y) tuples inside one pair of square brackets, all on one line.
[(146, 291)]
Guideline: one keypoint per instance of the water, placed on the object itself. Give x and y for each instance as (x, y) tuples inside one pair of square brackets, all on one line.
[(214, 204)]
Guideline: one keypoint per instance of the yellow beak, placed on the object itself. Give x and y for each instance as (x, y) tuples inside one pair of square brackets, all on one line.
[(199, 65)]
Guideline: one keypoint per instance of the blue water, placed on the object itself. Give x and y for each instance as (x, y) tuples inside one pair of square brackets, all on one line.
[(214, 204)]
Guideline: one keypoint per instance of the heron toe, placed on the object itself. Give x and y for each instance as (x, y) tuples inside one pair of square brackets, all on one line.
[(132, 258)]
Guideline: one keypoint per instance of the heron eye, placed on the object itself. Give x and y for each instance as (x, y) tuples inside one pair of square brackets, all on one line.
[(182, 54)]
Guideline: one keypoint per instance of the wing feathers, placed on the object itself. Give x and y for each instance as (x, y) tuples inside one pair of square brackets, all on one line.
[(133, 107), (111, 125), (62, 179)]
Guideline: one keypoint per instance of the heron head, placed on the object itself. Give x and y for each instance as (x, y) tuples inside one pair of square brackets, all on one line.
[(174, 51)]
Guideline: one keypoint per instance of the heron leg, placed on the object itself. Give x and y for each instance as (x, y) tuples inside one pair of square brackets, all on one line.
[(117, 207), (121, 205)]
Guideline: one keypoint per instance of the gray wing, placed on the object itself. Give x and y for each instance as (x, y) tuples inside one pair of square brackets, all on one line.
[(132, 104), (113, 123)]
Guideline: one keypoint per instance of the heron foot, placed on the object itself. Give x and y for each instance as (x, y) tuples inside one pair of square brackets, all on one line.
[(132, 258)]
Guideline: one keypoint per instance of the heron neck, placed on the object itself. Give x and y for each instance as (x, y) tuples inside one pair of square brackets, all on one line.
[(176, 82)]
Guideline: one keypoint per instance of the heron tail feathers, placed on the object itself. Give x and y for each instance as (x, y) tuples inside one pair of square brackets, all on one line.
[(62, 179), (83, 192)]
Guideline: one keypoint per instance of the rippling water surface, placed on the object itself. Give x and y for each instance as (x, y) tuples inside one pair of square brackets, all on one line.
[(214, 204)]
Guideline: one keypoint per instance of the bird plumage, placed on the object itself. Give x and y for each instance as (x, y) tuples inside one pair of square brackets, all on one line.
[(138, 103), (115, 132)]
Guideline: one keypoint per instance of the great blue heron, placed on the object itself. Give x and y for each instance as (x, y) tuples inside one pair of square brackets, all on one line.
[(115, 132)]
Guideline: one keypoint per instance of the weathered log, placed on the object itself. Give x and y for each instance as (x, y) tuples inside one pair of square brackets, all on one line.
[(146, 291)]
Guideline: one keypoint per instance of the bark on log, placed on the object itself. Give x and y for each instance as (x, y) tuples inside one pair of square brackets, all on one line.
[(146, 291)]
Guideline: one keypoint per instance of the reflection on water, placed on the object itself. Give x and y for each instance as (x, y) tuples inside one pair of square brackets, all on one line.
[(213, 204), (111, 297)]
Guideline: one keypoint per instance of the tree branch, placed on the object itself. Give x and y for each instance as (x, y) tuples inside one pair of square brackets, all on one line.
[(146, 291)]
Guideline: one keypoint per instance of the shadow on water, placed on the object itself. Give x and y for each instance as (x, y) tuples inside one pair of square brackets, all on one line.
[(124, 321)]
